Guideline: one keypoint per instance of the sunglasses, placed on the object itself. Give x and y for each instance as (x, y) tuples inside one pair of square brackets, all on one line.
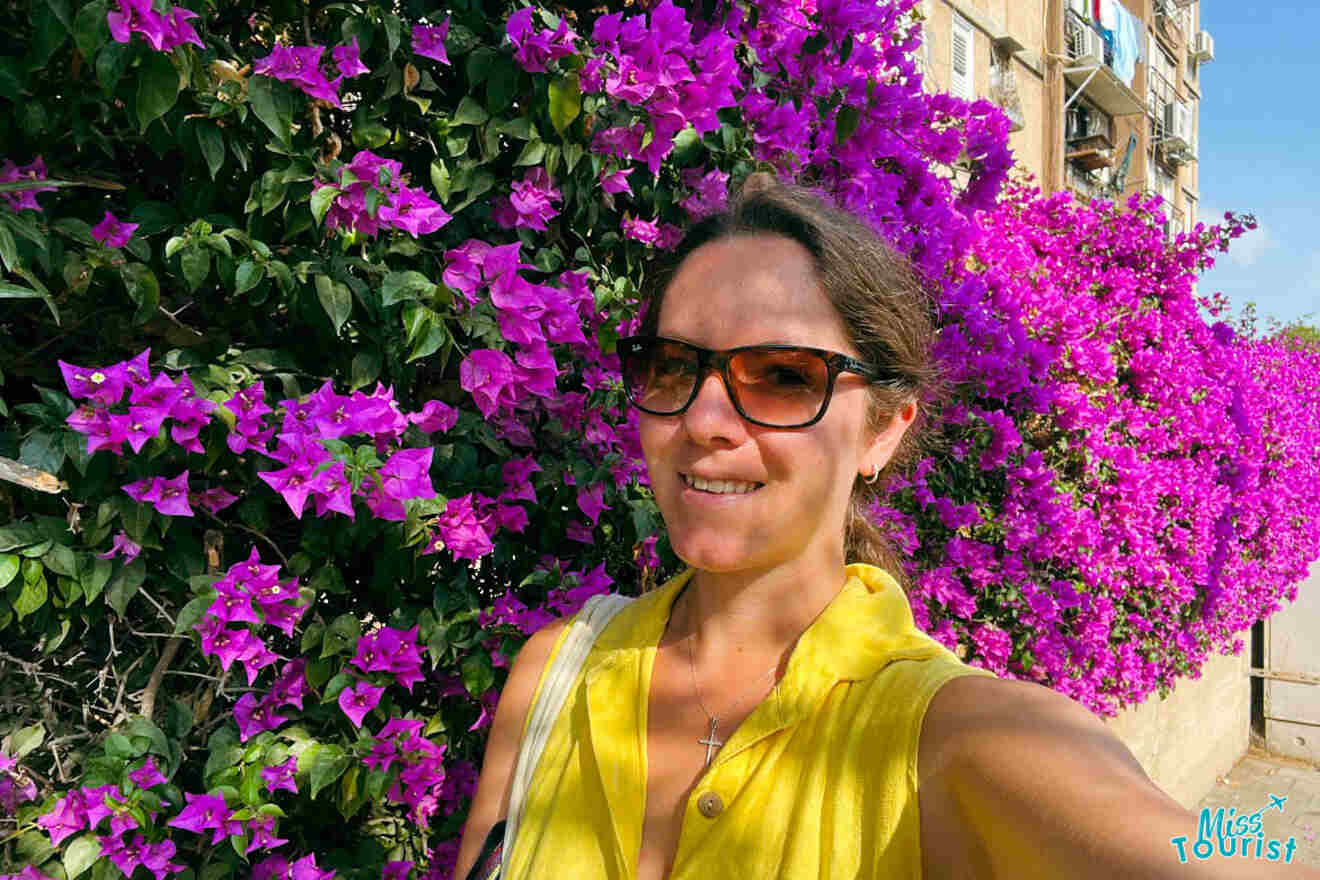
[(775, 386)]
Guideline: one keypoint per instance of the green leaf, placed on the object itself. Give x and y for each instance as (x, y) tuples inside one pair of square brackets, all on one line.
[(13, 291), (192, 612), (90, 30), (32, 597), (80, 854), (532, 154), (61, 560), (425, 329), (273, 104), (469, 112), (441, 180), (501, 84), (814, 43), (158, 88), (212, 142), (125, 585), (120, 747), (335, 686), (401, 286), (336, 299), (328, 763), (94, 579), (43, 450), (322, 198), (143, 289), (8, 568), (341, 635), (477, 673), (26, 740), (846, 122), (248, 275), (365, 369), (565, 101), (196, 264)]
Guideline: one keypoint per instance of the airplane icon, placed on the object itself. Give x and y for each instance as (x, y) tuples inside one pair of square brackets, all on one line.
[(1276, 801)]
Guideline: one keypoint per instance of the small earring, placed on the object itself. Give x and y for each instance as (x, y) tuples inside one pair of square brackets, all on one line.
[(875, 475)]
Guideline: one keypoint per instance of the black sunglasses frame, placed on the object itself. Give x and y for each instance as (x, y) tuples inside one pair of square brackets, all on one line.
[(718, 360)]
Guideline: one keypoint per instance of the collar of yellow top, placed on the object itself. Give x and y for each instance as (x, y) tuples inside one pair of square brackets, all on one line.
[(866, 626)]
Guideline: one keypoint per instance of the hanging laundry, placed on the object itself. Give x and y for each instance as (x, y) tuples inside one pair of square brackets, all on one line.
[(1127, 41)]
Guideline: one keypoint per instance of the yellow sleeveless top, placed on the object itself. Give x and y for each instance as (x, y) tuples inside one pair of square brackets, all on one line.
[(819, 781)]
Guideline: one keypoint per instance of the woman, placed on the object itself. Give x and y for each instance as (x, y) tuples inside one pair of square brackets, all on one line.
[(773, 712)]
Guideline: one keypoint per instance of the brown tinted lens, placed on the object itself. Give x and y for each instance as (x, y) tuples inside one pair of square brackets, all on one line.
[(779, 387), (659, 375)]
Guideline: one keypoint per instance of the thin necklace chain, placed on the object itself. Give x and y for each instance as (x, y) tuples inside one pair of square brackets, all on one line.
[(710, 742)]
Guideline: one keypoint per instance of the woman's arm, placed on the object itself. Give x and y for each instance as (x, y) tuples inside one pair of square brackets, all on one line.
[(491, 802), (1020, 781)]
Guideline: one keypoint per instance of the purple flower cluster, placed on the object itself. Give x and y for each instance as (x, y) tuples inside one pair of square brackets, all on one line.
[(113, 232), (421, 767), (402, 207), (386, 650), (162, 30), (277, 867), (533, 48), (429, 41), (300, 67), (85, 808), (653, 62), (151, 400), (529, 206), (16, 787), (27, 199)]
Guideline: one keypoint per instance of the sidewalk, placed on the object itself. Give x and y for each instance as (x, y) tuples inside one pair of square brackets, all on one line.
[(1250, 784)]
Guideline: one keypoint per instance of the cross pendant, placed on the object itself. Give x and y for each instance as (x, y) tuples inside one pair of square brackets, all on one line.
[(710, 742)]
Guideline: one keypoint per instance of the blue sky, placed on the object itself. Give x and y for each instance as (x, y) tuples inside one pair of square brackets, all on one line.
[(1260, 152)]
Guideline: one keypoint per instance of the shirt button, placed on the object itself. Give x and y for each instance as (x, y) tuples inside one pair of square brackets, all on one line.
[(710, 804)]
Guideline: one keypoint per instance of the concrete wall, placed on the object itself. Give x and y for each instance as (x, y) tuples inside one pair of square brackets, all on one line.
[(1198, 733)]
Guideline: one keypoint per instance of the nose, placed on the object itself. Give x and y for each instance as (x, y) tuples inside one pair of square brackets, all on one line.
[(712, 416)]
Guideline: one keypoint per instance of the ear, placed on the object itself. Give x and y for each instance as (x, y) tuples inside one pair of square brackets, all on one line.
[(886, 440)]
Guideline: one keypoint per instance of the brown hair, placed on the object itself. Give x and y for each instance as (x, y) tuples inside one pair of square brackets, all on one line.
[(886, 311)]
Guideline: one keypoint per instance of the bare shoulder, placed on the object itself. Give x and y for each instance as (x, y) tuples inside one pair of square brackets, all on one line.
[(489, 803)]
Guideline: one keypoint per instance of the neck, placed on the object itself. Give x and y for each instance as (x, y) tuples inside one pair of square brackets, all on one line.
[(750, 619)]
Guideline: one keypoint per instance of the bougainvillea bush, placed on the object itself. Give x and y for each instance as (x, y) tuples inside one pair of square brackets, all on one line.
[(313, 407)]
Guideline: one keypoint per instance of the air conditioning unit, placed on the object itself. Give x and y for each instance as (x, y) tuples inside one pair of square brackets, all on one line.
[(1178, 132), (1088, 47), (1203, 47)]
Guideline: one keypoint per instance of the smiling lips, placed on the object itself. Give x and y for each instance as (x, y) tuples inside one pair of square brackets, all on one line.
[(719, 487)]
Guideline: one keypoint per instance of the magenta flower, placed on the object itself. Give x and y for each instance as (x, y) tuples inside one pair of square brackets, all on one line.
[(178, 31), (464, 530), (281, 776), (430, 41), (396, 870), (215, 499), (413, 211), (262, 829), (533, 48), (592, 502), (645, 231), (103, 385), (147, 776), (435, 416), (137, 16), (226, 645), (616, 181), (123, 546), (358, 700), (291, 686), (407, 474), (254, 715), (68, 818), (169, 497), (112, 232), (487, 375), (348, 59), (206, 812), (529, 206), (300, 67), (27, 199)]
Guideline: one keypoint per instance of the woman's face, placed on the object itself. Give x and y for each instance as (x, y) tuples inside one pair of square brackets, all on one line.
[(751, 290)]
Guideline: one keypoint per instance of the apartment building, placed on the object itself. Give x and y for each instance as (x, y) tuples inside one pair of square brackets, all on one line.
[(1104, 95)]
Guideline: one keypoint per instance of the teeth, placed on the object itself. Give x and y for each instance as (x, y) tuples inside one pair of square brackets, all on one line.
[(720, 487)]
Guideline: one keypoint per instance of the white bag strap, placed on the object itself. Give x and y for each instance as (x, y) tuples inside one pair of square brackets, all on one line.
[(582, 634)]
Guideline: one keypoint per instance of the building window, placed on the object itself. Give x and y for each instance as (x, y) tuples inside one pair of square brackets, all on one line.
[(963, 59)]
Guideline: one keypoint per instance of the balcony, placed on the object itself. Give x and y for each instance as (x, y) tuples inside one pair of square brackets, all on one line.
[(1089, 134), (1004, 93), (1090, 69)]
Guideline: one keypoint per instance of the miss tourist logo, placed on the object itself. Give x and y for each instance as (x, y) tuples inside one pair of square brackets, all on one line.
[(1226, 835)]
